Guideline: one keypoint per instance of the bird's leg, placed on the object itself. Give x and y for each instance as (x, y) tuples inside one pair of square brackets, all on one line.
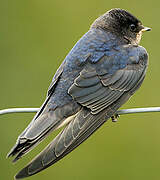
[(114, 117)]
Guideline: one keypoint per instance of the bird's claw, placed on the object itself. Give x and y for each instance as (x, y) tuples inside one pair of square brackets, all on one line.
[(114, 117)]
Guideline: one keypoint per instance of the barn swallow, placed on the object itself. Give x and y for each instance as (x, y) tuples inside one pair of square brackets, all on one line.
[(101, 72)]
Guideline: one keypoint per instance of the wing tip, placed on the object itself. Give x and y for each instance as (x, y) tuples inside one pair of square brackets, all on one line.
[(22, 174), (13, 151), (16, 150), (32, 168)]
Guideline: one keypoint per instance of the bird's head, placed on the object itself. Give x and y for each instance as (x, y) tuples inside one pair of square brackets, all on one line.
[(121, 23)]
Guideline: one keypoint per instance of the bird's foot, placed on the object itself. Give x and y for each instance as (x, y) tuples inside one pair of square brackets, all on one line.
[(114, 117)]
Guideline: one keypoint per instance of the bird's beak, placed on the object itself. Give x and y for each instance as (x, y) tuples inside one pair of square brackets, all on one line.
[(144, 29)]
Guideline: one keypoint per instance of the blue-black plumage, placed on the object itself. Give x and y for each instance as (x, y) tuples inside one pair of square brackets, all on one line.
[(101, 72)]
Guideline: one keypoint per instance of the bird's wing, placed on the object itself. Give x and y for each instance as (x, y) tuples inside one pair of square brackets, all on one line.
[(100, 94), (97, 90)]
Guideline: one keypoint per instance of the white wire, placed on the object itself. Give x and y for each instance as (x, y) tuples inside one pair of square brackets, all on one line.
[(120, 112)]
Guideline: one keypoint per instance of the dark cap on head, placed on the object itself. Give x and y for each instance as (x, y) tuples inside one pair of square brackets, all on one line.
[(121, 23)]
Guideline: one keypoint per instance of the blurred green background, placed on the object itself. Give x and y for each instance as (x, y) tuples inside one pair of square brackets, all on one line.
[(35, 36)]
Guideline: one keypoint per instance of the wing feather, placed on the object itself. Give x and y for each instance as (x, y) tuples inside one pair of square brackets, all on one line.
[(91, 97), (96, 90), (86, 82)]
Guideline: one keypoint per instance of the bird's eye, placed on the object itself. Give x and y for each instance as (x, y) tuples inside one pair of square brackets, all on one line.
[(132, 27)]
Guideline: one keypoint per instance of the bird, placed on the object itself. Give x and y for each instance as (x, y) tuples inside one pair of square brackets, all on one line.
[(100, 73)]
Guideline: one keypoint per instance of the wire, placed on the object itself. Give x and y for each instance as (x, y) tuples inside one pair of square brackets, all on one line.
[(120, 112)]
